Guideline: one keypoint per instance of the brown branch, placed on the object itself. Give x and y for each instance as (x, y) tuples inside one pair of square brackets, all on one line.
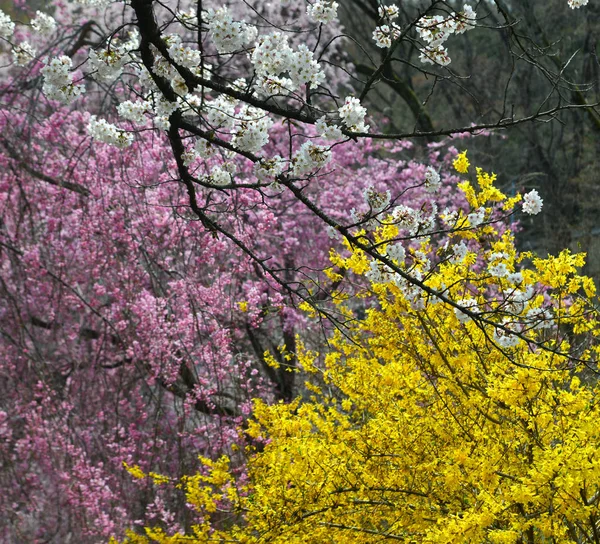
[(185, 373), (404, 90), (14, 155)]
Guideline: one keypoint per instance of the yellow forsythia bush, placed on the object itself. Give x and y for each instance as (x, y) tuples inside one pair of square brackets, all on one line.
[(463, 409)]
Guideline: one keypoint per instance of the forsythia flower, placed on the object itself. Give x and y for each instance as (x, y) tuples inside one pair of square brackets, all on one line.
[(461, 163), (135, 471)]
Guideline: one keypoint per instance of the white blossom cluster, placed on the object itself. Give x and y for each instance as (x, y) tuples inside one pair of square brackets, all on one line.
[(363, 219), (327, 131), (322, 11), (43, 23), (188, 18), (103, 131), (273, 58), (467, 303), (248, 126), (204, 149), (390, 11), (476, 217), (94, 3), (23, 53), (269, 169), (498, 270), (353, 115), (310, 157), (435, 55), (432, 180), (279, 69), (228, 35), (516, 300), (275, 85), (182, 54), (107, 64), (377, 273), (219, 176), (385, 34), (7, 27), (220, 112), (539, 318), (532, 203), (407, 218), (505, 337), (381, 273), (252, 130), (574, 4), (413, 222), (58, 80), (163, 68), (413, 294), (163, 109), (434, 30), (458, 252), (134, 111), (376, 200), (396, 252)]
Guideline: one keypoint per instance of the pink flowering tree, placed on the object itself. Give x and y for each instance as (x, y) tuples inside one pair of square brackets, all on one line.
[(173, 178)]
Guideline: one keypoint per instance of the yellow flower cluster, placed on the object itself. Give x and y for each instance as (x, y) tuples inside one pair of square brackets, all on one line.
[(461, 163)]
